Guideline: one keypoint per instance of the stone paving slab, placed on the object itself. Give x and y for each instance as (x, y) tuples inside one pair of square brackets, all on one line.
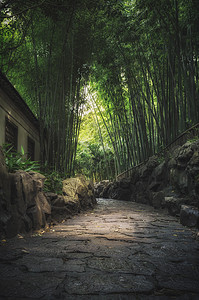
[(120, 250)]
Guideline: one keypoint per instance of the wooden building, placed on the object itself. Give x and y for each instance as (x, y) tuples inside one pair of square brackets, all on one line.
[(18, 125)]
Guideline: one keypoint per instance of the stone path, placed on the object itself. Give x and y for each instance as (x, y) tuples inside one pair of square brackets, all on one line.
[(120, 250)]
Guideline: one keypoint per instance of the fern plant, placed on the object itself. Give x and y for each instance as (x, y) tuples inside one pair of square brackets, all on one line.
[(17, 161)]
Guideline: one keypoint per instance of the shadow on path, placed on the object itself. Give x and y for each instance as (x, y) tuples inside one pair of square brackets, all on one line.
[(119, 250)]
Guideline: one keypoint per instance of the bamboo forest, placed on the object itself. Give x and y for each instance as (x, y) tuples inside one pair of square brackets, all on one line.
[(111, 82)]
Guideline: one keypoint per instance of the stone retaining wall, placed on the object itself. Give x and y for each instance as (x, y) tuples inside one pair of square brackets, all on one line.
[(163, 182), (24, 207)]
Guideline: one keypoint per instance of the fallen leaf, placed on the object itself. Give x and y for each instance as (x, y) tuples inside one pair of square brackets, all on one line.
[(25, 251), (19, 236)]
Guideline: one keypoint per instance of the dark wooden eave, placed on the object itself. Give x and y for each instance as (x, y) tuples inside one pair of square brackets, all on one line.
[(9, 89)]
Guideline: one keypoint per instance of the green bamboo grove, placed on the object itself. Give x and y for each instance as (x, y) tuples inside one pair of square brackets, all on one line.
[(137, 60)]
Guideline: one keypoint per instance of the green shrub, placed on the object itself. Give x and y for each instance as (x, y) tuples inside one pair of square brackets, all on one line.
[(194, 139), (53, 182), (17, 161)]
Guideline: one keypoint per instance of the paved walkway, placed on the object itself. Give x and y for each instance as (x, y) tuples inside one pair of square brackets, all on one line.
[(120, 250)]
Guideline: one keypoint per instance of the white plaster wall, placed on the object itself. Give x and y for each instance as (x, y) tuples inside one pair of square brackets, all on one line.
[(25, 127)]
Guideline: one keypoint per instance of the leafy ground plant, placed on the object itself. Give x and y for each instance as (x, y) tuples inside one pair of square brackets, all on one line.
[(53, 182), (17, 161)]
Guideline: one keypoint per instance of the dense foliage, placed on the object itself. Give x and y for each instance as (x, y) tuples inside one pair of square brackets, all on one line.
[(138, 60), (94, 158), (18, 160)]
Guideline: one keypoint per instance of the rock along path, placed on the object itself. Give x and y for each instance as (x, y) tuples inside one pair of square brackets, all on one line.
[(120, 250)]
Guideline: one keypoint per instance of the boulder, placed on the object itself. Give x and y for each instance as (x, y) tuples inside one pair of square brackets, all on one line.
[(106, 191), (5, 205), (179, 156), (158, 178), (197, 187), (157, 199), (184, 155), (183, 174), (189, 216), (142, 194), (173, 204), (146, 170), (180, 180), (119, 190), (50, 197), (135, 176), (171, 155), (78, 194), (121, 194), (100, 186), (37, 216), (125, 183), (27, 194), (193, 165), (23, 206), (59, 201), (59, 211)]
